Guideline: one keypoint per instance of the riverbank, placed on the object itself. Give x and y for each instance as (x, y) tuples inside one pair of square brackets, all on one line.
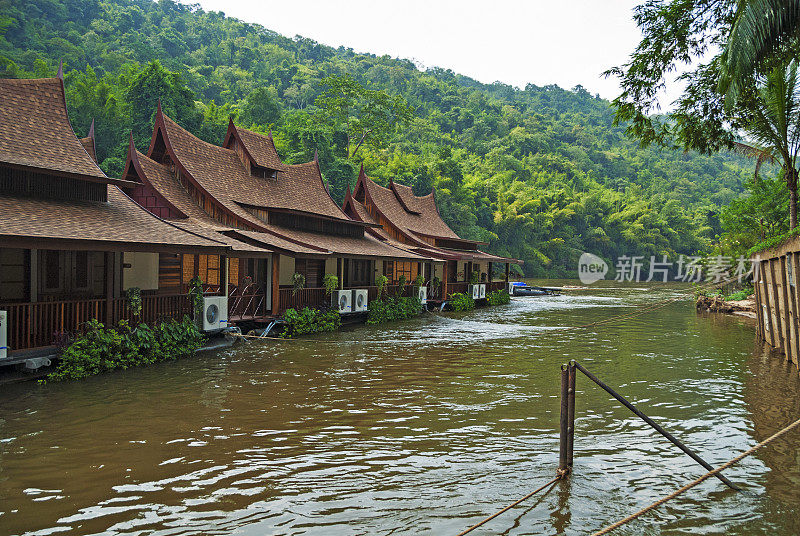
[(718, 304)]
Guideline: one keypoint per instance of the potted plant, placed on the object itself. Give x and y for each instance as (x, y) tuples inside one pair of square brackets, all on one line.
[(380, 282), (401, 285), (419, 284), (298, 283), (330, 282)]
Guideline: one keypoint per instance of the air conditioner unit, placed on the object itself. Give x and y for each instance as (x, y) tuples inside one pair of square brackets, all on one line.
[(360, 300), (482, 291), (476, 292), (215, 313), (422, 294), (341, 300), (223, 311), (3, 334)]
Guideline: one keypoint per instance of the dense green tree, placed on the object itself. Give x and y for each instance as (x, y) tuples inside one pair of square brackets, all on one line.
[(365, 116), (152, 85)]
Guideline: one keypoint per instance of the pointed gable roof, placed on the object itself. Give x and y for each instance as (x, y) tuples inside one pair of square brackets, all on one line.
[(219, 172), (417, 216), (89, 142), (260, 148), (35, 131)]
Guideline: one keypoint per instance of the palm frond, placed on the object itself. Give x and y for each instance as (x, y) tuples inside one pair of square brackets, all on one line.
[(760, 28)]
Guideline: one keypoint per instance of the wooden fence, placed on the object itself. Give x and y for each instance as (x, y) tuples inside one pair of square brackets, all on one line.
[(33, 325)]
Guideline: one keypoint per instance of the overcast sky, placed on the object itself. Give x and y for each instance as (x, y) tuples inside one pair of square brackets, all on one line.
[(564, 42)]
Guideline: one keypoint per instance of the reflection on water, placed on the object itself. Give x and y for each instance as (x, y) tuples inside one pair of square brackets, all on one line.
[(423, 427)]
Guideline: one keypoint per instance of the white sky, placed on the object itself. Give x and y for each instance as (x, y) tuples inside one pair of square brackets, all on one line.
[(564, 42)]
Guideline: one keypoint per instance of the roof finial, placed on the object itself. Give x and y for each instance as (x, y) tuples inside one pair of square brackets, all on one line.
[(361, 171), (91, 130), (316, 156), (60, 70)]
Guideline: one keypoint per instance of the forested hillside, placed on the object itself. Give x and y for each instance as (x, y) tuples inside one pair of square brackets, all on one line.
[(541, 173)]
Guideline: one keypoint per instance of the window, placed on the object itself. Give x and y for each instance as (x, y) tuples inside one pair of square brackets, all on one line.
[(65, 271), (207, 267), (360, 273), (81, 270), (393, 270), (312, 269), (53, 262), (262, 172)]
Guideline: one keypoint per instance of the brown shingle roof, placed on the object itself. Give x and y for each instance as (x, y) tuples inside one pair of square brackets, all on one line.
[(260, 148), (214, 233), (35, 130), (426, 221), (365, 246), (88, 142), (220, 172), (160, 178), (120, 221)]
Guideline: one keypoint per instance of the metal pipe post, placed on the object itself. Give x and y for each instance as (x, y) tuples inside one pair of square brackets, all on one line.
[(572, 372), (652, 423), (564, 432)]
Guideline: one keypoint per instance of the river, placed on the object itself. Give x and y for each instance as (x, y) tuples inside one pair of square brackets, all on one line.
[(419, 427)]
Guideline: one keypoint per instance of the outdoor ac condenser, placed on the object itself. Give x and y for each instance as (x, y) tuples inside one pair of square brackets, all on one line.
[(360, 300), (3, 334), (422, 294), (476, 292), (215, 313), (482, 291), (342, 301)]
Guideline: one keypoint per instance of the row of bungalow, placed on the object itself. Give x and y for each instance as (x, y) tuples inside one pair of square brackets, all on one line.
[(73, 241)]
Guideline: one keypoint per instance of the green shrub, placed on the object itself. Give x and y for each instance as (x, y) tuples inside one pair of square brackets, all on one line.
[(196, 296), (100, 349), (310, 321), (461, 302), (389, 309), (381, 281), (330, 282), (298, 283), (133, 296), (498, 297), (740, 294)]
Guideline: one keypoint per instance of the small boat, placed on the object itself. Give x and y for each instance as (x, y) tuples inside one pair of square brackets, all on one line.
[(519, 288)]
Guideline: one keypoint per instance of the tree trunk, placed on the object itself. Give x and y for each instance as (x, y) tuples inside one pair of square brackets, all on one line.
[(791, 182)]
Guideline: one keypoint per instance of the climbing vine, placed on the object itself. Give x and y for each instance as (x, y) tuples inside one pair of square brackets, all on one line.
[(196, 296), (298, 283), (133, 298)]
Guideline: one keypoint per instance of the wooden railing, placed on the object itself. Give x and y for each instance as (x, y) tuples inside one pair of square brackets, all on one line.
[(305, 297), (33, 325), (246, 302), (453, 287), (496, 285), (155, 308)]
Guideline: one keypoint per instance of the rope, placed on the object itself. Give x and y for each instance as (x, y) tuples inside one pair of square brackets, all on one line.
[(512, 505), (649, 307), (694, 483)]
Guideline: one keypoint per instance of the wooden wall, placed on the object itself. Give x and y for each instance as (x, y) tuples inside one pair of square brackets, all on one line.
[(778, 303)]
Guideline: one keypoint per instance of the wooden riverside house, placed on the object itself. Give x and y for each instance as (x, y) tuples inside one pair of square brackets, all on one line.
[(278, 219), (71, 240), (405, 220)]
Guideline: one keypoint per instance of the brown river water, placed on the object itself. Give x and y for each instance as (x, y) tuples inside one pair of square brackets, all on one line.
[(419, 427)]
